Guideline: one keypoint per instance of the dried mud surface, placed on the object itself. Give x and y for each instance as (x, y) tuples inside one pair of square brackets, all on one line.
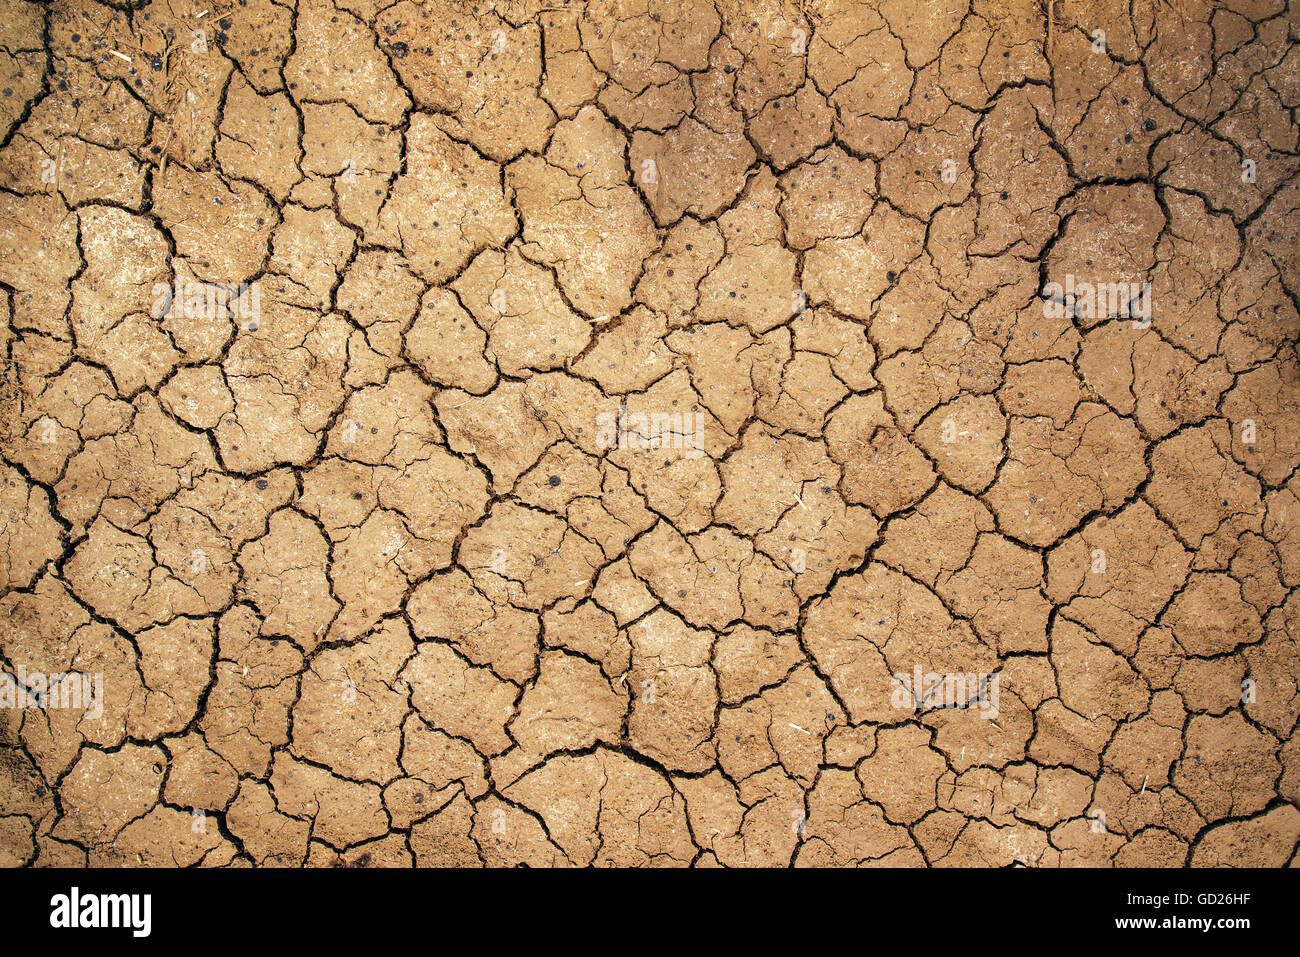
[(367, 586)]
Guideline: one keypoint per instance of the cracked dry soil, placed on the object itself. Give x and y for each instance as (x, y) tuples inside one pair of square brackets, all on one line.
[(626, 393)]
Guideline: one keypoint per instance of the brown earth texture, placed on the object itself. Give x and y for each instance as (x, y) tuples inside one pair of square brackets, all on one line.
[(649, 432)]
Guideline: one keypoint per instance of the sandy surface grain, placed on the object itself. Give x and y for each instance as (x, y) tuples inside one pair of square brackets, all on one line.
[(626, 401)]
